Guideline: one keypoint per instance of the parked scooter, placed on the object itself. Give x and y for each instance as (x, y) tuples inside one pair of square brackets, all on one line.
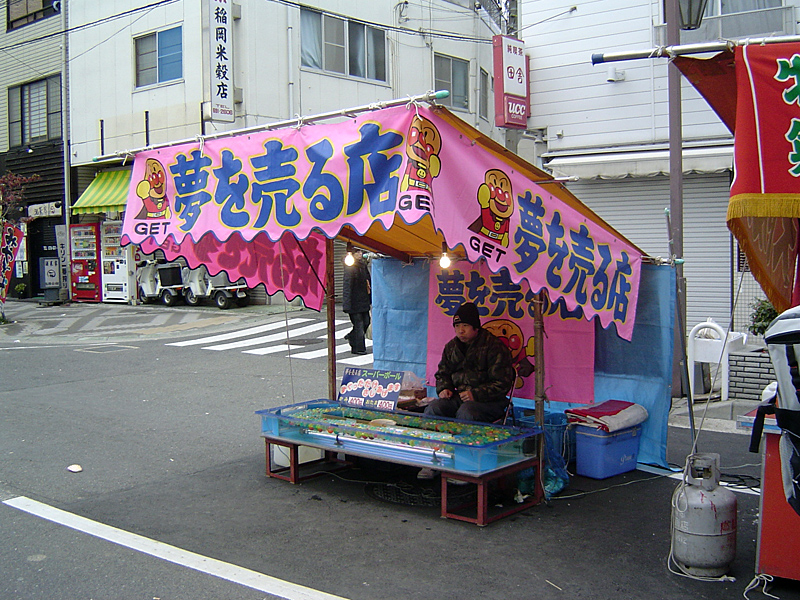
[(200, 285), (157, 280)]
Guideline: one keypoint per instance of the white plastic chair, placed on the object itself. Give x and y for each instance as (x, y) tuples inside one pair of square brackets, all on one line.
[(714, 351)]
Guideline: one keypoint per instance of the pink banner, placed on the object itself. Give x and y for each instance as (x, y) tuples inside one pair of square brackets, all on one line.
[(9, 245), (506, 310), (295, 267), (405, 161)]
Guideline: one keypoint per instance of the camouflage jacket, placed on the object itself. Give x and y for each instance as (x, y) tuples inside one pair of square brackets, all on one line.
[(483, 366)]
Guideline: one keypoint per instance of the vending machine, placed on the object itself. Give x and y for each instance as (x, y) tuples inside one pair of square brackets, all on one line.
[(118, 271), (85, 273)]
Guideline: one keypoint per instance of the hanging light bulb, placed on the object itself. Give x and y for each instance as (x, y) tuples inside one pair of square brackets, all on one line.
[(444, 261), (349, 259)]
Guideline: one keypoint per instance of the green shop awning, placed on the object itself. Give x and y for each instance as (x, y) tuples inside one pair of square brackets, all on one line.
[(108, 192)]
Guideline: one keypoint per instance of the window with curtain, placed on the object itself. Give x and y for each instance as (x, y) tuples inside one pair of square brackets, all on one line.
[(159, 57), (342, 46), (452, 74), (34, 112)]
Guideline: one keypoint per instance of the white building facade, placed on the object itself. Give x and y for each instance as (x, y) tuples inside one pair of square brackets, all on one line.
[(146, 73), (606, 127)]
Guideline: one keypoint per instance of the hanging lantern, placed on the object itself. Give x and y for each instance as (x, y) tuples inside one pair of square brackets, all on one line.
[(692, 13)]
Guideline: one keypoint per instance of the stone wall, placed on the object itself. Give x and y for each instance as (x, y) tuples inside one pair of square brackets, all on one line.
[(750, 371)]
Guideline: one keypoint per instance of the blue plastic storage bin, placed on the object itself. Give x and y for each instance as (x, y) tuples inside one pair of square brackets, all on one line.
[(602, 454)]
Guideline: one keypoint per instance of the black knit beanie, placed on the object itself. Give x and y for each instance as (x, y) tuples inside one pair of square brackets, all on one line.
[(467, 313)]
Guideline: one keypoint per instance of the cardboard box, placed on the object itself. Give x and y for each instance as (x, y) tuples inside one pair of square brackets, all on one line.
[(602, 454)]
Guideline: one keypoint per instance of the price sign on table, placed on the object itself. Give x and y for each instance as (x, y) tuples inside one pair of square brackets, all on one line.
[(370, 388)]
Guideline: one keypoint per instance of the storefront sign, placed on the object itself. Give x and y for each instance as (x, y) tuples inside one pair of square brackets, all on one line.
[(370, 388), (221, 60), (62, 247), (9, 245), (511, 91), (50, 209), (402, 163)]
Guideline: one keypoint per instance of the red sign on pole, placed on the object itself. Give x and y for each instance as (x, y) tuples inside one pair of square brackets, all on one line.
[(511, 91), (9, 244)]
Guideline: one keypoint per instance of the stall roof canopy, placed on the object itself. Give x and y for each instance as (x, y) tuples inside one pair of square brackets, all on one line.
[(108, 192)]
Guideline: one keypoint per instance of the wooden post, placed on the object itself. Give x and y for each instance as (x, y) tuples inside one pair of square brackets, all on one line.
[(330, 303)]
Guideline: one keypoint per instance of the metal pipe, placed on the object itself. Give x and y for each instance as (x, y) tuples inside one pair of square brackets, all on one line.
[(429, 97), (678, 50)]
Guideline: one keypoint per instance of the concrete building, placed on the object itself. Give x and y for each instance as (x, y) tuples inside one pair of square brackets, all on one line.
[(146, 73), (31, 132), (606, 126)]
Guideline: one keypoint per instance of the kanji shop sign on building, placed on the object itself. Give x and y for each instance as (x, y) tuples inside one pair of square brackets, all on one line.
[(511, 91), (220, 60)]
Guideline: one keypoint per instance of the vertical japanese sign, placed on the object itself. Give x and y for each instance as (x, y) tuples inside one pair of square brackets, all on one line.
[(220, 60), (511, 91), (9, 245), (765, 193)]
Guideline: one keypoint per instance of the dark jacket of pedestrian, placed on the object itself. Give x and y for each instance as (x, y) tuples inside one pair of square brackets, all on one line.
[(356, 293)]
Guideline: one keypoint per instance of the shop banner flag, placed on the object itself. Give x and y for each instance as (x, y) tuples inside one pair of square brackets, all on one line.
[(506, 309), (12, 238), (765, 194), (297, 268), (403, 162)]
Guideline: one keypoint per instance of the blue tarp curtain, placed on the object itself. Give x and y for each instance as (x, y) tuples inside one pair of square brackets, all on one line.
[(637, 371)]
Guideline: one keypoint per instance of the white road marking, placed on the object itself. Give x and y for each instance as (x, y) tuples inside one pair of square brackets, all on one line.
[(173, 554), (275, 337), (238, 334)]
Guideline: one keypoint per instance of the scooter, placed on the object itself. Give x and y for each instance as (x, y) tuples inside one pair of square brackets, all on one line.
[(157, 280), (199, 285)]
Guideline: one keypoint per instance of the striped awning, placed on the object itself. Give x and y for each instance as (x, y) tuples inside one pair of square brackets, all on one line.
[(108, 192)]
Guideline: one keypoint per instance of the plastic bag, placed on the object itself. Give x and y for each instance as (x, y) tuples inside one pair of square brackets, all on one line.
[(412, 386)]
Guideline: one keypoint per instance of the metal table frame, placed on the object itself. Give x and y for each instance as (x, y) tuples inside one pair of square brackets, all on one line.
[(483, 481)]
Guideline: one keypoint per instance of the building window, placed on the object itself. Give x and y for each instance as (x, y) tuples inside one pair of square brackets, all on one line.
[(21, 12), (34, 112), (452, 74), (159, 57), (736, 19), (483, 103), (729, 7), (340, 46)]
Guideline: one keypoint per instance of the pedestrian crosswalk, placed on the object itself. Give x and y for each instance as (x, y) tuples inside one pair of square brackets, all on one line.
[(300, 338)]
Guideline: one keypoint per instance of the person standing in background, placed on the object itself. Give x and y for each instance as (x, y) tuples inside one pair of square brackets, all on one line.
[(357, 301)]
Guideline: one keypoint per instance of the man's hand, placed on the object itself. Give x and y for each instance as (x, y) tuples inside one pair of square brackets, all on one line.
[(466, 396), (446, 394)]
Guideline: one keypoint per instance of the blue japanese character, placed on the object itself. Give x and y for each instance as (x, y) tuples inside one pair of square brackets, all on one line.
[(556, 251), (275, 170), (581, 262), (324, 207), (191, 179), (451, 291), (620, 286), (477, 290), (383, 171), (529, 236), (507, 295), (600, 278), (229, 194)]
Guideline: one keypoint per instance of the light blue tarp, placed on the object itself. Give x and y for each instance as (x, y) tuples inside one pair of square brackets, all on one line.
[(637, 371)]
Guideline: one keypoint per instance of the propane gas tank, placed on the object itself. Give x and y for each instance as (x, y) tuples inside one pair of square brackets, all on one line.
[(703, 520)]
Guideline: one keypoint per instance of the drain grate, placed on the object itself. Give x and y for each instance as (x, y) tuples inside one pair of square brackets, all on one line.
[(409, 494)]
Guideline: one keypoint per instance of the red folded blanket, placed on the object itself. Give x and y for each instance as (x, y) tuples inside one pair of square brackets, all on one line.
[(611, 415)]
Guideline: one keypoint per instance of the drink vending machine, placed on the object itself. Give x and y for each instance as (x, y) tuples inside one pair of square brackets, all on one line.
[(118, 272), (85, 274)]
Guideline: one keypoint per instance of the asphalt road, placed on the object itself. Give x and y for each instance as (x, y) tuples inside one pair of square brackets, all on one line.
[(172, 502)]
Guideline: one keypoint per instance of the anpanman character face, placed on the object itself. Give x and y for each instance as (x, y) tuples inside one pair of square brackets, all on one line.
[(510, 334), (156, 177), (501, 200), (423, 141)]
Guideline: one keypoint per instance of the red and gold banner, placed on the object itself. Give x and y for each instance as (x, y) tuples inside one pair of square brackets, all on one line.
[(765, 194)]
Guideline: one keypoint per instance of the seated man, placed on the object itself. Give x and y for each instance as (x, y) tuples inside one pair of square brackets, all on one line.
[(474, 375)]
